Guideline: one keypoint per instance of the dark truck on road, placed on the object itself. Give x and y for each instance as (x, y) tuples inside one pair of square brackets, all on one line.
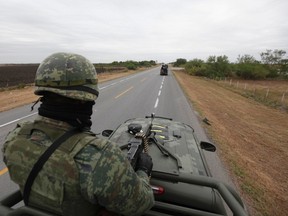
[(164, 69), (181, 180)]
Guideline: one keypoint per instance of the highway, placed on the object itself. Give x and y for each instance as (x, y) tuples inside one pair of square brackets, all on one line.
[(133, 96)]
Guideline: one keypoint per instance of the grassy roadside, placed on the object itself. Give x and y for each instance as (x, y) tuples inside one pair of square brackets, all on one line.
[(252, 141)]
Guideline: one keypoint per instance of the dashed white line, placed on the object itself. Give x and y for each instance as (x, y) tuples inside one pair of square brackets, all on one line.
[(159, 93), (156, 103)]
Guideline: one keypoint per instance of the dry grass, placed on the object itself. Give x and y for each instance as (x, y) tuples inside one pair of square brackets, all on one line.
[(270, 92), (252, 140)]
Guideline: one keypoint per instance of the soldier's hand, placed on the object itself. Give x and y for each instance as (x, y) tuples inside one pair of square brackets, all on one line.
[(145, 163)]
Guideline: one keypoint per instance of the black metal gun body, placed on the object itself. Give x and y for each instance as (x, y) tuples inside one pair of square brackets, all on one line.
[(135, 147), (138, 143)]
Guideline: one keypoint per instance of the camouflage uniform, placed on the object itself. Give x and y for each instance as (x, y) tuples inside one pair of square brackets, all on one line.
[(85, 174), (105, 176)]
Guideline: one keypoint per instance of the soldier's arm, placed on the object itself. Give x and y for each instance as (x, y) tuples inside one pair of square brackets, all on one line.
[(11, 135), (110, 181)]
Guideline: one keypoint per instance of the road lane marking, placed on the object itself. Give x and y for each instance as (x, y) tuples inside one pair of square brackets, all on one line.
[(159, 93), (100, 88), (124, 92), (143, 79), (19, 119), (107, 86), (3, 171), (117, 82), (156, 103)]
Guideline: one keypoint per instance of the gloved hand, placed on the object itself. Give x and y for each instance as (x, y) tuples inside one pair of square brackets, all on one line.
[(144, 163)]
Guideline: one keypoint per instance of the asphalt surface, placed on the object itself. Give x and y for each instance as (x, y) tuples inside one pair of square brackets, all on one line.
[(133, 96)]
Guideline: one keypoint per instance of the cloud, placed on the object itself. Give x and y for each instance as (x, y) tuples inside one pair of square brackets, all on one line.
[(162, 30)]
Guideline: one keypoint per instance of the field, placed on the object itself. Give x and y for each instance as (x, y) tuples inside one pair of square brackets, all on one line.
[(22, 74), (18, 74), (251, 137)]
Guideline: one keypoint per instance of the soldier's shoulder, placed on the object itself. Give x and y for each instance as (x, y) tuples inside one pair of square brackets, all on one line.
[(96, 142), (97, 145), (14, 133)]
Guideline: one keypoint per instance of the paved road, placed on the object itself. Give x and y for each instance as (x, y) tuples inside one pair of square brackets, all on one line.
[(137, 95)]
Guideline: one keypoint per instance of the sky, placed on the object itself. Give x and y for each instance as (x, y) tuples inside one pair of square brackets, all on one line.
[(161, 30)]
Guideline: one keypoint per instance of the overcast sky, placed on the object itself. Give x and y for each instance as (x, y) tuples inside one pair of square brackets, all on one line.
[(161, 30)]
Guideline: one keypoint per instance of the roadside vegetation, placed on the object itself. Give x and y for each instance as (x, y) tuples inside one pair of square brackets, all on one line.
[(134, 65), (246, 105), (265, 81), (273, 65)]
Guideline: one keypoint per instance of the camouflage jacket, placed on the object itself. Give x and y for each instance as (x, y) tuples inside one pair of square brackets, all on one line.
[(94, 171)]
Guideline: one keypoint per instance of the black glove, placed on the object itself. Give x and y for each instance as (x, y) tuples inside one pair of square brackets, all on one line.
[(144, 163)]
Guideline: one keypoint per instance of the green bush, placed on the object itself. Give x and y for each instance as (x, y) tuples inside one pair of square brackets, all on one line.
[(196, 67), (251, 71), (179, 62), (131, 66)]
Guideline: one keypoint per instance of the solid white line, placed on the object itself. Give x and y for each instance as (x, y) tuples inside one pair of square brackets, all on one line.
[(107, 86), (122, 80), (104, 87), (19, 119), (156, 103)]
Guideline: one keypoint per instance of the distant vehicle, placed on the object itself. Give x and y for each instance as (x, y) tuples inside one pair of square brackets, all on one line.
[(164, 69), (181, 180)]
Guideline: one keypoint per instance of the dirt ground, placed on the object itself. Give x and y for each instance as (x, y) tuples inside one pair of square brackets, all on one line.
[(251, 139)]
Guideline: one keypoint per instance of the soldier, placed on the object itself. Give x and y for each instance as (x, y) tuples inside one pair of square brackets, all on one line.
[(83, 174)]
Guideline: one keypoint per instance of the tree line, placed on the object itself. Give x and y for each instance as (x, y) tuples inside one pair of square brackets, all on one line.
[(130, 64), (273, 64)]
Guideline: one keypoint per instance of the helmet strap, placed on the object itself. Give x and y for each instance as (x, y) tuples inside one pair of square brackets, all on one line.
[(32, 107)]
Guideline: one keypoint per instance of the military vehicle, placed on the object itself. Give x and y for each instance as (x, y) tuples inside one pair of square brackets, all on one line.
[(164, 69), (181, 180)]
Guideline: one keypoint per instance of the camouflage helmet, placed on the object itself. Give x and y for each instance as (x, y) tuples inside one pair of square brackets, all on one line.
[(67, 74)]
